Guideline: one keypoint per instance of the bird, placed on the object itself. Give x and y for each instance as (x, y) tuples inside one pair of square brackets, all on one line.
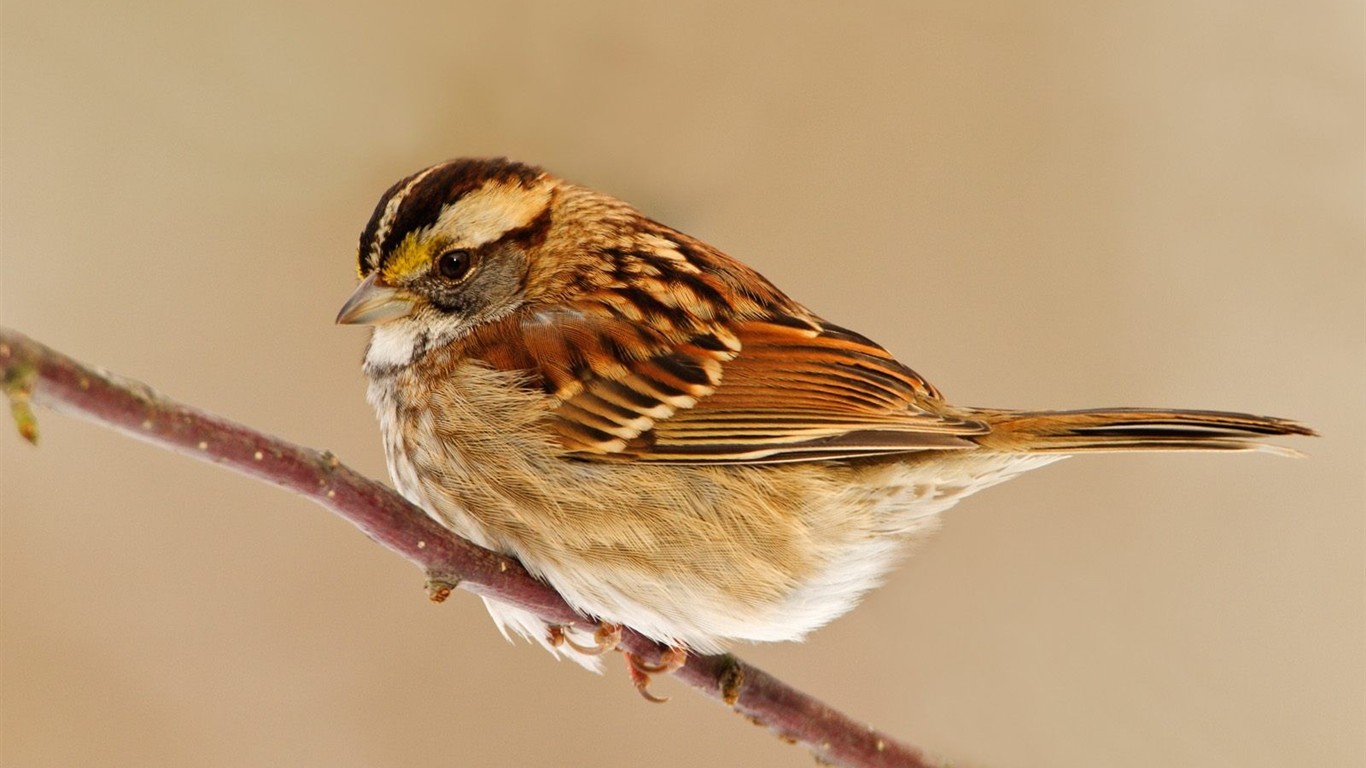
[(660, 433)]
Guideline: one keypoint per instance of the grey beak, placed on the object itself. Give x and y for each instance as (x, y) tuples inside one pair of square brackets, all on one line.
[(375, 303)]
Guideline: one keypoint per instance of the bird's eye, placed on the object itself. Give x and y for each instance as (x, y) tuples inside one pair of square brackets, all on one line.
[(455, 265)]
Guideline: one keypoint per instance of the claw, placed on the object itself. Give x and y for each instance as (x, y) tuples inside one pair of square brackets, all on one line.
[(605, 639), (640, 670)]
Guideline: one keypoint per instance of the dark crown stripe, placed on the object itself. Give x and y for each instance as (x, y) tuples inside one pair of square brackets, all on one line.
[(369, 256)]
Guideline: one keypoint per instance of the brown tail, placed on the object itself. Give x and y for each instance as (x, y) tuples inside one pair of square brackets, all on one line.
[(1134, 429)]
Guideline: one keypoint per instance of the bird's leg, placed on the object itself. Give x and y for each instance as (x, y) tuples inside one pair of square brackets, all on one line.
[(605, 639), (640, 670)]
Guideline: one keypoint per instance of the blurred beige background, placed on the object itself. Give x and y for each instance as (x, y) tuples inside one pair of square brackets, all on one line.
[(1035, 204)]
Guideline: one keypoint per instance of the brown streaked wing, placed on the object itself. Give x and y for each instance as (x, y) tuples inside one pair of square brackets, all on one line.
[(612, 377), (781, 389), (803, 391)]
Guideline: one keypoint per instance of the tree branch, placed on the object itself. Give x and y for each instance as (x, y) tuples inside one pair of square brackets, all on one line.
[(36, 373)]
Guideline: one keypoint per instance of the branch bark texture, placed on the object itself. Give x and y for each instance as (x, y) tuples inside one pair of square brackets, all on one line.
[(34, 373)]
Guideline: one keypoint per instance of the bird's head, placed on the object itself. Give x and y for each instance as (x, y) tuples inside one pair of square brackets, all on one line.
[(448, 248)]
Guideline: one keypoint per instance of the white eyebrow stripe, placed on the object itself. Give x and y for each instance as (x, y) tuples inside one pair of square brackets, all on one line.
[(492, 211), (386, 221)]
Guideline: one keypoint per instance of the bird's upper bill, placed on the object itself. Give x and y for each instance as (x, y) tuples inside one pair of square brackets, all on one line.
[(375, 303)]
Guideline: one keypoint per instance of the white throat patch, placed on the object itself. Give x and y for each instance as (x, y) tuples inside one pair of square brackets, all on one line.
[(396, 344), (392, 345)]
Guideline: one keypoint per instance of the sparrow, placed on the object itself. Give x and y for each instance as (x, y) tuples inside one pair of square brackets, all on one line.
[(656, 430)]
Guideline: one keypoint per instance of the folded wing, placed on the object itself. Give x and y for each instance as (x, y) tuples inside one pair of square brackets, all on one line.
[(770, 389)]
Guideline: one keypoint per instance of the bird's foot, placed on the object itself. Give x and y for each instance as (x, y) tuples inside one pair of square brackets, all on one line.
[(640, 670), (605, 639)]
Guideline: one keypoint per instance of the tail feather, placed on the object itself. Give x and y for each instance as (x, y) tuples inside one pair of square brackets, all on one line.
[(1134, 429)]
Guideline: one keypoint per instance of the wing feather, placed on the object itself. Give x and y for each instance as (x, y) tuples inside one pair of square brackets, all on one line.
[(772, 389)]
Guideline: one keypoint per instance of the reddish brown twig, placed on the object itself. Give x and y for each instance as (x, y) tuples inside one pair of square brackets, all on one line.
[(32, 371)]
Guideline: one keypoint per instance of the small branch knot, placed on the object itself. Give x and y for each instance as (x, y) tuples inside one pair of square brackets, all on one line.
[(19, 381), (440, 586), (328, 461), (732, 679)]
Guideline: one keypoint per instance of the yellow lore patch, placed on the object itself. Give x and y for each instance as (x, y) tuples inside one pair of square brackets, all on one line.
[(409, 258)]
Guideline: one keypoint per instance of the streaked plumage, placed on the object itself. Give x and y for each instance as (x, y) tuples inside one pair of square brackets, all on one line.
[(654, 428)]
